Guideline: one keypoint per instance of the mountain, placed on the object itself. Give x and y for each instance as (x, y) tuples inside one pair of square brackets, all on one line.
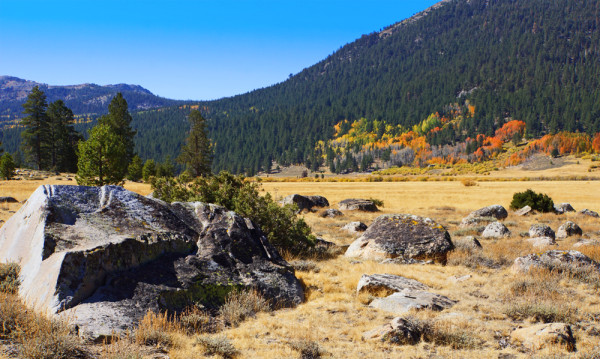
[(86, 99), (532, 60)]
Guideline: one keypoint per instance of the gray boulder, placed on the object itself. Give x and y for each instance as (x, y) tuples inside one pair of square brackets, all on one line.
[(468, 243), (541, 230), (542, 335), (542, 241), (105, 256), (353, 204), (496, 230), (305, 202), (587, 212), (555, 260), (407, 299), (378, 283), (469, 222), (8, 200), (330, 213), (355, 227), (402, 236), (563, 208), (401, 331), (569, 229), (525, 211), (496, 211)]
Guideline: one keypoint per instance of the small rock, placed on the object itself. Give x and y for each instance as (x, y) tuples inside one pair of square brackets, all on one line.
[(401, 331), (407, 299), (468, 242), (353, 204), (304, 202), (569, 229), (586, 242), (355, 227), (469, 222), (587, 212), (525, 211), (8, 200), (539, 336), (496, 230), (319, 201), (330, 213), (387, 282), (542, 241), (563, 208), (541, 230)]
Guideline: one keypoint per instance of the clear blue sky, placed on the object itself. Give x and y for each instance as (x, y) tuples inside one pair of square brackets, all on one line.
[(183, 49)]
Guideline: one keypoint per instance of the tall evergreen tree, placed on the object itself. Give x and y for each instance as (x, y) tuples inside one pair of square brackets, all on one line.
[(35, 136), (119, 121), (196, 154), (62, 137)]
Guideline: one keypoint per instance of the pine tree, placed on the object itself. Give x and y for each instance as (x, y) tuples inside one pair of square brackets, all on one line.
[(101, 158), (134, 171), (62, 137), (7, 166), (35, 136), (196, 154), (149, 170), (119, 121)]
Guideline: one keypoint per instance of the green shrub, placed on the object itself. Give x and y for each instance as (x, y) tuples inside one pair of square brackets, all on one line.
[(9, 277), (283, 228), (537, 201), (7, 166)]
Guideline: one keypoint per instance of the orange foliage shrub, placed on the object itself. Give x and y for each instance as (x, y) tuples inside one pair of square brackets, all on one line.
[(509, 129)]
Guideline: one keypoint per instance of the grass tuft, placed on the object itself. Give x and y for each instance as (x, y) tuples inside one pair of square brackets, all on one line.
[(217, 345), (242, 304), (308, 349)]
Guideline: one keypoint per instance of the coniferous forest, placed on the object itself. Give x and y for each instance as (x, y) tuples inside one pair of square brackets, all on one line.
[(535, 61)]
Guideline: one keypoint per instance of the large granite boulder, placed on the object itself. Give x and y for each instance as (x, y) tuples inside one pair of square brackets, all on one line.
[(306, 202), (402, 236), (568, 229), (556, 260), (105, 256), (353, 204), (496, 230)]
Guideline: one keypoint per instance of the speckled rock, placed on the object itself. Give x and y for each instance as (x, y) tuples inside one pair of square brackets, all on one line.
[(401, 331), (496, 211), (587, 212), (353, 204), (355, 227), (542, 241), (402, 236), (380, 283), (407, 299), (563, 208), (469, 222), (541, 335), (104, 256), (525, 211), (496, 230), (306, 202), (568, 229), (556, 260), (541, 230), (330, 213)]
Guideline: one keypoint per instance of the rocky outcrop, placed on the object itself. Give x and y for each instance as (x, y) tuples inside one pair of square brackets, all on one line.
[(305, 202), (402, 236), (331, 213), (355, 227), (555, 260), (353, 204), (541, 335), (587, 212), (387, 283), (563, 208), (105, 256), (496, 230), (568, 229), (408, 299), (541, 230)]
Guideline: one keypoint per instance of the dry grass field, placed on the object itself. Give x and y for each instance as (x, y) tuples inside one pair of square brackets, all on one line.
[(491, 303)]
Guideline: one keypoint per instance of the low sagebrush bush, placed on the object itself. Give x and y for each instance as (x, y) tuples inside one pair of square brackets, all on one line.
[(156, 329), (9, 277), (242, 304), (542, 311), (537, 201), (194, 320), (217, 345), (308, 349)]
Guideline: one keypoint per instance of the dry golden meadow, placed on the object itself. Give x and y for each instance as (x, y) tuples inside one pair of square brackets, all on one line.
[(330, 323)]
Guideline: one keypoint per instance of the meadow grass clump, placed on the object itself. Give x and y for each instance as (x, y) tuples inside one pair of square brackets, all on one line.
[(194, 320), (541, 311), (303, 265), (308, 349), (242, 304), (121, 349), (217, 345)]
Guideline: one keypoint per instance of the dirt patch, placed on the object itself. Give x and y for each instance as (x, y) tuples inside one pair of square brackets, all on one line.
[(541, 162)]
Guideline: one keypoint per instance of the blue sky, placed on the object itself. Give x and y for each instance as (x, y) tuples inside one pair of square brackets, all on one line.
[(183, 49)]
